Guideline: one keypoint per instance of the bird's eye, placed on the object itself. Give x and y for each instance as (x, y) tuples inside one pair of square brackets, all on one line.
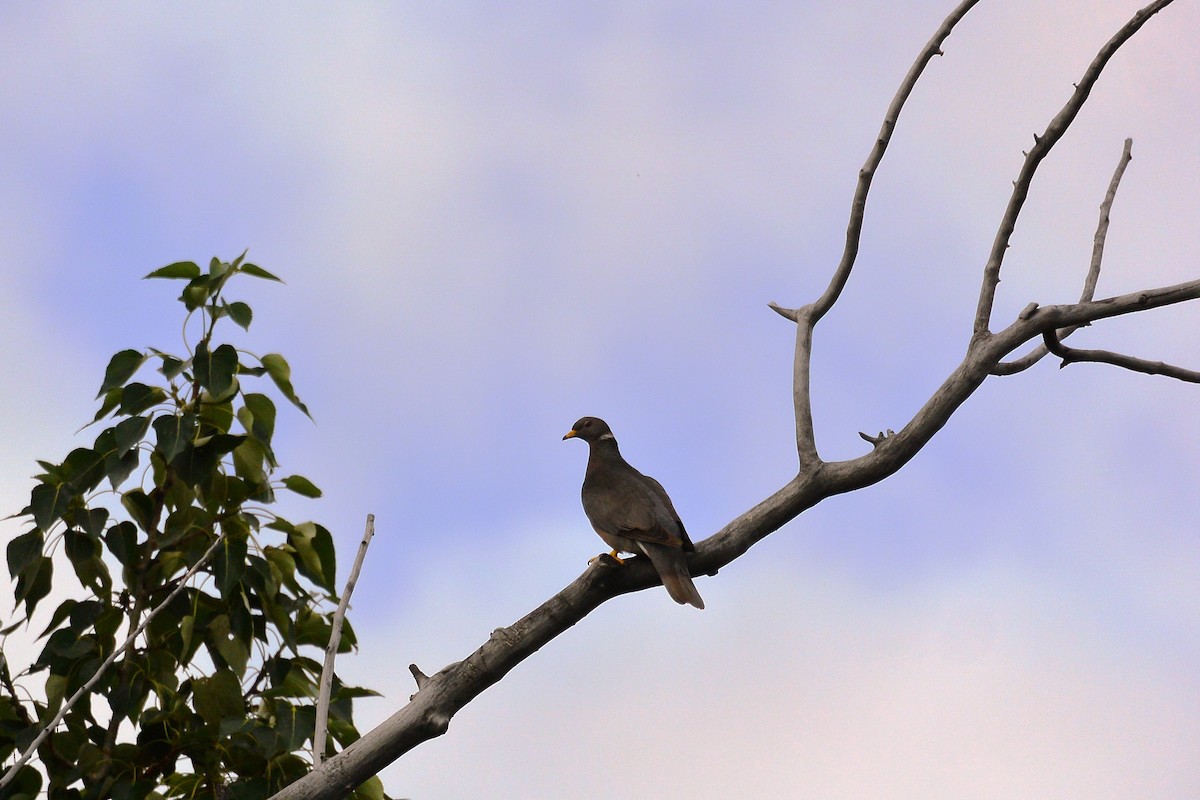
[(587, 424)]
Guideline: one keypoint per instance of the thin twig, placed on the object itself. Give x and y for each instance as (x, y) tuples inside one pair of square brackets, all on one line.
[(46, 731), (335, 638), (1071, 355), (1041, 147), (1093, 276), (858, 206)]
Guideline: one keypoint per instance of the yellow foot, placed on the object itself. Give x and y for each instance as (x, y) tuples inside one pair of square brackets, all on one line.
[(613, 555)]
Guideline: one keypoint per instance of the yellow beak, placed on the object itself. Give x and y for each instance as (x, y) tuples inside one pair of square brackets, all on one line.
[(571, 434)]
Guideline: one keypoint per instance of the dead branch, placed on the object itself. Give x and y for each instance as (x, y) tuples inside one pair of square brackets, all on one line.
[(441, 695), (806, 318), (858, 205), (335, 639), (1070, 355), (1093, 276), (1041, 147)]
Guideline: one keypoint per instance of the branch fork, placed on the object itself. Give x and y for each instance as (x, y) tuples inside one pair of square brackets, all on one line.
[(439, 697)]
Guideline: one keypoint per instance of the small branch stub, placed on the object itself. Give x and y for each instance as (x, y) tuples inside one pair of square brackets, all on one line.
[(879, 439), (786, 313)]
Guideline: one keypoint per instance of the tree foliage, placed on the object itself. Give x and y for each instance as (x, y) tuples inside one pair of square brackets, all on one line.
[(217, 696)]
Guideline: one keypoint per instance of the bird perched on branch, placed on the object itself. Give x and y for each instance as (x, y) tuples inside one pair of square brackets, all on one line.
[(632, 512)]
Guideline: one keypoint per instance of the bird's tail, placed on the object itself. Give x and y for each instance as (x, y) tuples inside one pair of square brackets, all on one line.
[(672, 570)]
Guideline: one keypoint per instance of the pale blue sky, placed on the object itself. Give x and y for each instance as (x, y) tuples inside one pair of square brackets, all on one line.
[(493, 221)]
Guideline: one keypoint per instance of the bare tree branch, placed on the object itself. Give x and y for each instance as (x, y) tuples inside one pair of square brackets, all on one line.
[(1093, 276), (335, 639), (443, 694), (1070, 355), (858, 205), (1041, 147), (806, 318)]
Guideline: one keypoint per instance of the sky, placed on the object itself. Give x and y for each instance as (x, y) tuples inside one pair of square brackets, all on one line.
[(493, 220)]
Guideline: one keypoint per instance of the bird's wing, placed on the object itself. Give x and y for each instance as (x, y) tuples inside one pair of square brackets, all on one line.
[(639, 513), (658, 489)]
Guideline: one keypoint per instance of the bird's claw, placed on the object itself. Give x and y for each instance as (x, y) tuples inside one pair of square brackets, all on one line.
[(613, 555)]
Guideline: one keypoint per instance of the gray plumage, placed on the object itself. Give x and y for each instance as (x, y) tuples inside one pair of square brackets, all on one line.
[(632, 512)]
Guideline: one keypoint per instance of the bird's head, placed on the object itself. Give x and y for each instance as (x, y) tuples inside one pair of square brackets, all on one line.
[(590, 429)]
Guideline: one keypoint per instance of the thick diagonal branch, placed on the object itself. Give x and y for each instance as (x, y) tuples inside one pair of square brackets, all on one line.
[(1093, 276), (1041, 147)]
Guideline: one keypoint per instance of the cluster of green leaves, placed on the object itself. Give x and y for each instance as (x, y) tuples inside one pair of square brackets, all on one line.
[(217, 697)]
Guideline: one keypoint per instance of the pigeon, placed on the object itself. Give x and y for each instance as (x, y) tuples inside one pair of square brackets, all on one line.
[(632, 512)]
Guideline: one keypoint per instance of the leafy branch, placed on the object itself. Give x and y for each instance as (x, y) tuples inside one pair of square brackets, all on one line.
[(180, 670)]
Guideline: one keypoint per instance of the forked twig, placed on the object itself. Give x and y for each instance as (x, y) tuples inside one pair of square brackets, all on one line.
[(807, 317), (1093, 276), (1041, 147)]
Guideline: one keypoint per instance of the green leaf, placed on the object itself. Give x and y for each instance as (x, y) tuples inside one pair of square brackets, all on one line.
[(261, 417), (118, 469), (180, 269), (60, 615), (240, 313), (294, 724), (121, 369), (26, 784), (318, 561), (258, 272), (301, 485), (56, 690), (215, 370), (198, 465), (230, 648), (229, 563), (111, 400), (129, 433), (141, 507), (196, 293), (122, 542), (92, 520), (218, 697), (23, 551), (137, 397), (174, 431), (79, 545), (83, 469), (47, 504), (277, 367), (218, 416), (182, 522), (249, 462), (283, 564), (371, 789), (84, 552), (170, 366), (34, 583)]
